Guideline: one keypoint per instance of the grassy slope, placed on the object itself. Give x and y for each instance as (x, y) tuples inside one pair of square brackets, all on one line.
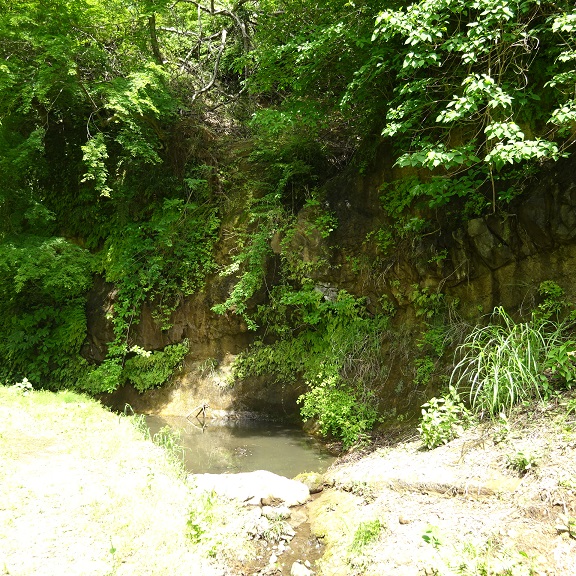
[(83, 493)]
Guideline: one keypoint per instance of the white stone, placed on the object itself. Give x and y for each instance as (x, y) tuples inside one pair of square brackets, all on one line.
[(253, 487), (298, 569), (276, 513), (287, 532)]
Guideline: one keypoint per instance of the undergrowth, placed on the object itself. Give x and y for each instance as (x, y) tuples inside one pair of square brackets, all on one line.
[(443, 419), (143, 369), (506, 362), (308, 332), (336, 351)]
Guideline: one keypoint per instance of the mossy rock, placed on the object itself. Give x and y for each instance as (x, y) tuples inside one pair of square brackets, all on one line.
[(313, 480)]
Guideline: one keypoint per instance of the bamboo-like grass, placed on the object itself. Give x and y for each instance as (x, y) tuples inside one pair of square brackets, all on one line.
[(503, 363)]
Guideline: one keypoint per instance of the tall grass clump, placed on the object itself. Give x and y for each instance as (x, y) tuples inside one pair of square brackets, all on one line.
[(170, 440), (507, 362)]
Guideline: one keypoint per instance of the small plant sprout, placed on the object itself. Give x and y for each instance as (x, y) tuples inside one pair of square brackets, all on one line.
[(570, 406), (24, 387), (502, 429), (432, 537), (567, 524), (522, 462)]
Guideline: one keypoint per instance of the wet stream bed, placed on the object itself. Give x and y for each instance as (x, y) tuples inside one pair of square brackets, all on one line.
[(245, 446)]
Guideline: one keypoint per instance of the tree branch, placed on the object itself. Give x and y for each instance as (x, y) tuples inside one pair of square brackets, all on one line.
[(216, 66), (154, 39), (241, 27)]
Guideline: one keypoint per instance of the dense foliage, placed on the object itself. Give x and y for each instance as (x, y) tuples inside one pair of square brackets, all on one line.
[(94, 182), (335, 349), (118, 126)]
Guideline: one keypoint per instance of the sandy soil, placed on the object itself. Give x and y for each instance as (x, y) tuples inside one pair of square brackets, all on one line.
[(462, 508)]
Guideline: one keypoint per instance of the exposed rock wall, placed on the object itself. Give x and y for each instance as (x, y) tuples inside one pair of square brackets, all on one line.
[(496, 260), (490, 261), (500, 259)]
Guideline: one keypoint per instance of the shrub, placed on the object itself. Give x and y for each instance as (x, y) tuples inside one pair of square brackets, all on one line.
[(148, 370), (339, 411), (144, 370), (103, 378), (443, 419), (336, 351), (42, 307)]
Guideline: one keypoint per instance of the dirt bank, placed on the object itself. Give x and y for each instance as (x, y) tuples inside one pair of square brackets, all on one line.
[(500, 500)]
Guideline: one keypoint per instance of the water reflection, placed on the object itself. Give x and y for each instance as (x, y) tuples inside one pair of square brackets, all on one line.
[(246, 446)]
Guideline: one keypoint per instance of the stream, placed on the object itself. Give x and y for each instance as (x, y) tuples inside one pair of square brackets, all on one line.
[(245, 446), (220, 447)]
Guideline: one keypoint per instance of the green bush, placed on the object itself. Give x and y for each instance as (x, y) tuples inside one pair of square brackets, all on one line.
[(336, 351), (339, 411), (148, 370), (144, 370), (102, 378), (42, 307), (443, 419), (159, 261)]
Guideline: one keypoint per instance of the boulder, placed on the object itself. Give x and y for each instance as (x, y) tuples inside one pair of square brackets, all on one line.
[(300, 569), (313, 480), (254, 488)]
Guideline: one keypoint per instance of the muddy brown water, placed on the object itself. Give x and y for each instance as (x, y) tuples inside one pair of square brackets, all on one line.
[(245, 446)]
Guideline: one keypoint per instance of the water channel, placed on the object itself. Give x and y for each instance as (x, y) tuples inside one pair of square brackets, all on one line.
[(244, 446)]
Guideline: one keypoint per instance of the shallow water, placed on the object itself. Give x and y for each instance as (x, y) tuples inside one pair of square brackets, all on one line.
[(245, 446)]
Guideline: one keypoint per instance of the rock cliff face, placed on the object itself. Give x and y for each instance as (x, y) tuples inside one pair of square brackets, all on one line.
[(496, 260), (499, 259), (490, 261)]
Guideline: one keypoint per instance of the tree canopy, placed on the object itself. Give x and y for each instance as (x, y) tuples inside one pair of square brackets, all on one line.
[(111, 113)]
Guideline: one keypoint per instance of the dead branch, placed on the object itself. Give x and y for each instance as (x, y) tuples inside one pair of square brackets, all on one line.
[(216, 66)]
